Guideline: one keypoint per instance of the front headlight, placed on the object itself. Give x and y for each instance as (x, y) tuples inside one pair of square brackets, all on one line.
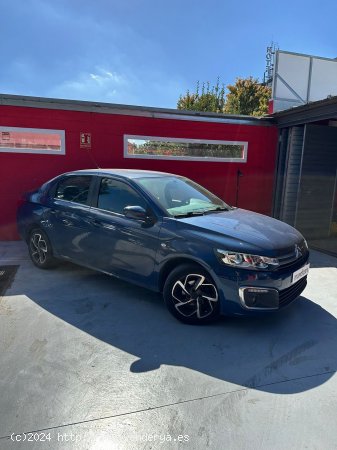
[(245, 261)]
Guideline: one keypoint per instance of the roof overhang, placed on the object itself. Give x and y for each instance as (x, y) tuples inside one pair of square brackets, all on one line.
[(310, 112), (144, 111)]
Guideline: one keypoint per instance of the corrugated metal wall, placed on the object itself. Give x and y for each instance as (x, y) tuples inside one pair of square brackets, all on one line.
[(318, 178), (292, 175)]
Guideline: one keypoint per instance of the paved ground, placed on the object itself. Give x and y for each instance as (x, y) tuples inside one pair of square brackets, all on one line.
[(87, 358), (328, 245)]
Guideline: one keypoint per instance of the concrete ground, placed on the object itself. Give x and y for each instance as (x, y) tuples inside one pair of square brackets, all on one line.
[(327, 245), (90, 362)]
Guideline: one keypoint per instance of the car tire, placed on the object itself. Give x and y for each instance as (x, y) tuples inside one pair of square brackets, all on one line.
[(191, 295), (40, 250)]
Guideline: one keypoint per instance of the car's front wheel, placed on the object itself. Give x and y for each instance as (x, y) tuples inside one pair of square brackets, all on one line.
[(40, 250), (191, 295)]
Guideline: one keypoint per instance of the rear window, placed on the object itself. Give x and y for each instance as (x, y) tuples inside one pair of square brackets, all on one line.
[(74, 189)]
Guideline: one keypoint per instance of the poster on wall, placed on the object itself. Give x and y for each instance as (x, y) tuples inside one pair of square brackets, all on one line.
[(31, 140)]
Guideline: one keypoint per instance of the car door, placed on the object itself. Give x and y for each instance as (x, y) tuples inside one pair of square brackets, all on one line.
[(124, 247), (69, 227)]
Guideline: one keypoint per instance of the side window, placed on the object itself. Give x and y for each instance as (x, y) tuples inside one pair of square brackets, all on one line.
[(74, 189), (115, 195)]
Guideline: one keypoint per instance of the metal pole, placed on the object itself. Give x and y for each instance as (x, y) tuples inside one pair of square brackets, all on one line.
[(238, 175)]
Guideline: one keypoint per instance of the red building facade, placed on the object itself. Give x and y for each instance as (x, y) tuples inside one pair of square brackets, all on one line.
[(81, 135)]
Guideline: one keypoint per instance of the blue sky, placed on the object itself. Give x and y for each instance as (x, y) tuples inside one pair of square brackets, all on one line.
[(148, 52)]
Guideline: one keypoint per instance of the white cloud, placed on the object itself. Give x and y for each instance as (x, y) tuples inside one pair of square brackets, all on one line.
[(106, 77), (106, 85), (101, 85)]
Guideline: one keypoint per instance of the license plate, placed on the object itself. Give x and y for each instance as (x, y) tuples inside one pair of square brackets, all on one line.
[(300, 273)]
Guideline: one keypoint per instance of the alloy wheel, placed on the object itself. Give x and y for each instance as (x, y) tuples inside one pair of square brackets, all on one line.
[(39, 249), (194, 295)]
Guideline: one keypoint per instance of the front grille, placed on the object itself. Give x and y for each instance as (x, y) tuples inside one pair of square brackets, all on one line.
[(291, 293), (294, 256), (294, 262)]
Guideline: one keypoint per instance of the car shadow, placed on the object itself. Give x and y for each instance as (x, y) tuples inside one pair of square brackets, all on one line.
[(261, 353)]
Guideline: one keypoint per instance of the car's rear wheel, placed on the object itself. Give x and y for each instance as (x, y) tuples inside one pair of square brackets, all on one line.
[(191, 295), (40, 250)]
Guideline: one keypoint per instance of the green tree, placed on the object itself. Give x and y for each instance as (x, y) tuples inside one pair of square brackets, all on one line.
[(247, 96), (210, 99)]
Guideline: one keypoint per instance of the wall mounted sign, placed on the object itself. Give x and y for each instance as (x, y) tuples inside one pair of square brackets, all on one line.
[(85, 140)]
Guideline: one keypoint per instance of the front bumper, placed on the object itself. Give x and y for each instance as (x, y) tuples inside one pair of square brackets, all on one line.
[(246, 292)]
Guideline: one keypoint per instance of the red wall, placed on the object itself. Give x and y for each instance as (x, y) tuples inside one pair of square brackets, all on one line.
[(24, 172)]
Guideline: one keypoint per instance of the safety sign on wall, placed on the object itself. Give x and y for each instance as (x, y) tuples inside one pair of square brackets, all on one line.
[(85, 140)]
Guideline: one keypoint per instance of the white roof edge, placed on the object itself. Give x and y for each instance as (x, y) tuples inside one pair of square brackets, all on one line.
[(111, 108)]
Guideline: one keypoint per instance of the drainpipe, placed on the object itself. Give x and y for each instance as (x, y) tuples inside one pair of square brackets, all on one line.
[(238, 175)]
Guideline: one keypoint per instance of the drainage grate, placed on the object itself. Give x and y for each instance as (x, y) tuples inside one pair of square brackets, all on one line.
[(7, 274)]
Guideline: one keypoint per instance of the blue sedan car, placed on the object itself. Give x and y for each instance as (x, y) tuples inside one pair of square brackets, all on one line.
[(168, 234)]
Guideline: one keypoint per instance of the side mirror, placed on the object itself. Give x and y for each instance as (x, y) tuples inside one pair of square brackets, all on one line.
[(136, 212)]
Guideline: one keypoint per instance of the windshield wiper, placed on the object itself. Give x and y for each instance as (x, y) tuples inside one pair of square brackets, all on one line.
[(218, 208), (190, 214), (202, 212)]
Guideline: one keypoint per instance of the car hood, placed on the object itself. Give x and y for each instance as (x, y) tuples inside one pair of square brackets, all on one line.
[(243, 230)]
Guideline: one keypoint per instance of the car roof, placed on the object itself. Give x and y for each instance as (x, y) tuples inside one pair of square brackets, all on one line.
[(125, 173)]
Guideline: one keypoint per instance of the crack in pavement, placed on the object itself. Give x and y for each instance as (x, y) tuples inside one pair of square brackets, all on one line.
[(279, 362), (181, 402)]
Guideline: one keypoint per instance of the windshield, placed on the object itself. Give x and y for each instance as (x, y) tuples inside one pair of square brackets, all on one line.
[(182, 197)]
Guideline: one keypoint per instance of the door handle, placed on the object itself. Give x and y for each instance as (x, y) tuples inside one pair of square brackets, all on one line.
[(99, 223), (102, 224)]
